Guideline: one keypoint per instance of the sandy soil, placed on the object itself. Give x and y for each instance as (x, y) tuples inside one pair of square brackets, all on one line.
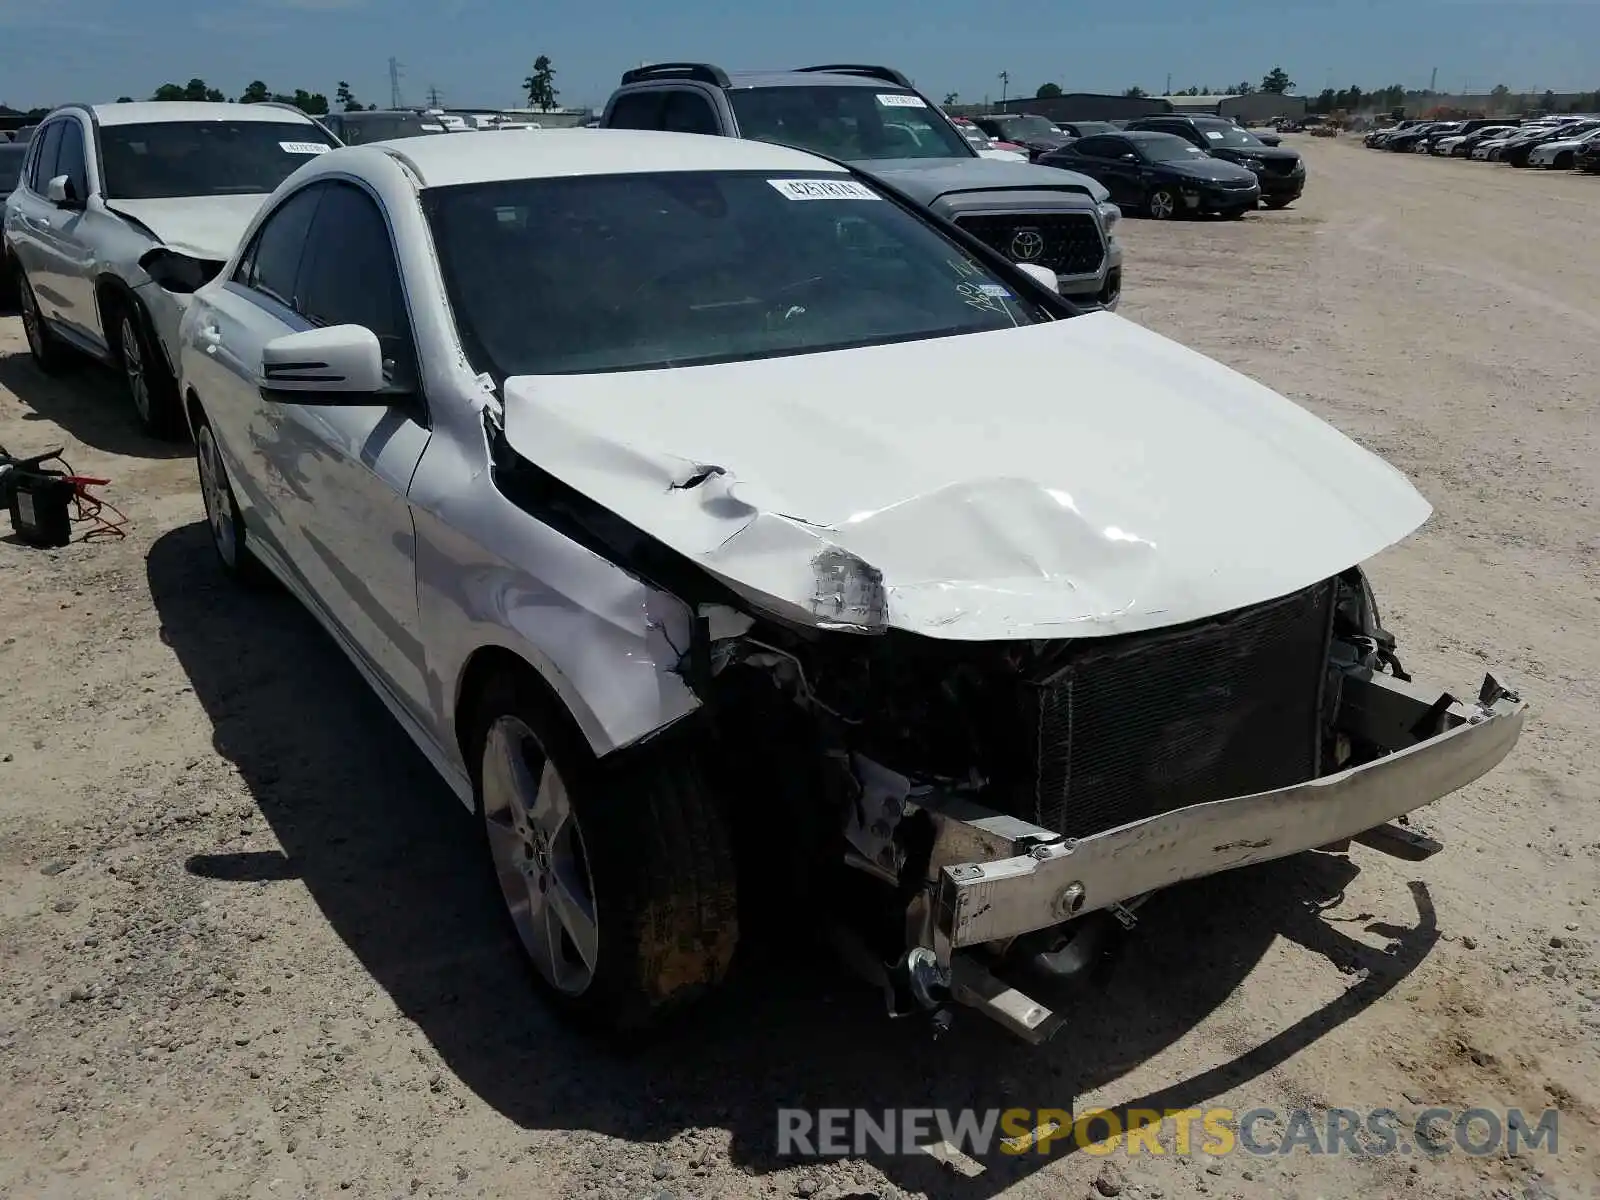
[(245, 950)]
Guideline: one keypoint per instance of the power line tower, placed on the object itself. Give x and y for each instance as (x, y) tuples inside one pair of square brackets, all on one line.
[(394, 83), (1005, 82), (433, 98)]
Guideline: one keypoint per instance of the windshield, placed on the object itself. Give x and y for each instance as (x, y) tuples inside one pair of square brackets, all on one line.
[(632, 272), (11, 157), (1168, 147), (850, 123), (1027, 125), (203, 158), (1094, 128), (1231, 136)]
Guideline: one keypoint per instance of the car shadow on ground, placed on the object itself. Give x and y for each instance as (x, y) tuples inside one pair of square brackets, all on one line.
[(388, 855), (87, 401)]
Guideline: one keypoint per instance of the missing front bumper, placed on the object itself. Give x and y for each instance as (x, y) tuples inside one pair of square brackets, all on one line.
[(1008, 879)]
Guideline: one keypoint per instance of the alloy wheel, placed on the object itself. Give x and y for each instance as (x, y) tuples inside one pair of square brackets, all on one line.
[(1162, 204), (133, 369), (539, 857), (214, 492)]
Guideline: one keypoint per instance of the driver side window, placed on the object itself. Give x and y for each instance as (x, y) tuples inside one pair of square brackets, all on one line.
[(272, 263), (350, 277)]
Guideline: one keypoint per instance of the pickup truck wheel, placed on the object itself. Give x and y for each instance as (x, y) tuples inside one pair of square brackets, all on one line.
[(149, 384), (1276, 202), (618, 876), (1161, 204), (49, 355)]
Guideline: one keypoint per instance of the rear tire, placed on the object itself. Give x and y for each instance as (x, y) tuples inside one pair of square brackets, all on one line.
[(48, 354), (617, 873), (145, 377)]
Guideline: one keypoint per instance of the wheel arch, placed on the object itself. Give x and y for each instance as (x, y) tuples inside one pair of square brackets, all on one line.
[(111, 294), (494, 661)]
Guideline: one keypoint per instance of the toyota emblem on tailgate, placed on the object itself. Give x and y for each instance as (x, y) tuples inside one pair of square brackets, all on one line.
[(1027, 244)]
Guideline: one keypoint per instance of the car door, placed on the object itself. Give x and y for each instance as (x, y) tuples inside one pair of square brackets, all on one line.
[(1104, 162), (221, 355), (31, 228), (346, 467), (69, 242)]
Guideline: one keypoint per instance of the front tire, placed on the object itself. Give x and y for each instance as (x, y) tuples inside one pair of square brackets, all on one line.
[(149, 385), (48, 354), (617, 873), (1277, 202), (228, 537), (1161, 204)]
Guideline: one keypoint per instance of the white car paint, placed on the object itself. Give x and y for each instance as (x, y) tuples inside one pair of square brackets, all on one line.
[(68, 255), (1153, 486), (1546, 154), (1008, 516)]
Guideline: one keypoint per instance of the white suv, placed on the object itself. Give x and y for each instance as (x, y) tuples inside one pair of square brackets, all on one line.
[(115, 198)]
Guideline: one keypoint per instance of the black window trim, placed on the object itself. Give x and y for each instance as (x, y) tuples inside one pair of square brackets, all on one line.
[(38, 181)]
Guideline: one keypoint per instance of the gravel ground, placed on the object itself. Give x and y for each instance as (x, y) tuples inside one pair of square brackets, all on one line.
[(247, 951)]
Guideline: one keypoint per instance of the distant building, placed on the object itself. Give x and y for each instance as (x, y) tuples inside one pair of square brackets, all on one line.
[(1257, 107), (1072, 106)]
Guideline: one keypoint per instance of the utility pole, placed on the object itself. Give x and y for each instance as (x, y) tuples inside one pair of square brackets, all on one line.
[(1433, 80), (1168, 92), (394, 83), (1005, 82)]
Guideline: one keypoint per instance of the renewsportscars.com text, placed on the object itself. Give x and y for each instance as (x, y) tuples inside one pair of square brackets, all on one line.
[(845, 1132)]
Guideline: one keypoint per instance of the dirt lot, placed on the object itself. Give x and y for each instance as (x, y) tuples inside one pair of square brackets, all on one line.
[(246, 951)]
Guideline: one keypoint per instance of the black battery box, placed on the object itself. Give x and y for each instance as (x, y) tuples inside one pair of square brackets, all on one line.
[(41, 506)]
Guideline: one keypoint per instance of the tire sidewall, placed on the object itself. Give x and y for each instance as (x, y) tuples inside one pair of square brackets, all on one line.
[(603, 795), (161, 390)]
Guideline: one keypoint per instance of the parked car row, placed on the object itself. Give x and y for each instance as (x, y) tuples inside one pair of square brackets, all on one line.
[(665, 489), (1173, 166), (1551, 142)]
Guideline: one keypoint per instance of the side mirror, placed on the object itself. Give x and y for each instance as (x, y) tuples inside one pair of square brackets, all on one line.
[(1043, 276), (60, 192), (341, 363)]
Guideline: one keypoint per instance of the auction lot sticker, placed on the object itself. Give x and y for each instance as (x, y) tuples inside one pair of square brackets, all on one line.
[(304, 147), (824, 189), (901, 100)]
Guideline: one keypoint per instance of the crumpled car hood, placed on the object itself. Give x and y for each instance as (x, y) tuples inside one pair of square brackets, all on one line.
[(203, 226), (1110, 481)]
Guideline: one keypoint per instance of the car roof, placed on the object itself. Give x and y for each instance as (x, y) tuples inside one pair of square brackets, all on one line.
[(151, 112), (1142, 135), (489, 156)]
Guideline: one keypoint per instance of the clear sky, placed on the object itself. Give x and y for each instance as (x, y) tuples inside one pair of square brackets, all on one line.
[(476, 52)]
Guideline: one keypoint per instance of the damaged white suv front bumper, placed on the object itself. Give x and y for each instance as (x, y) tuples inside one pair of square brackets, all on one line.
[(995, 878)]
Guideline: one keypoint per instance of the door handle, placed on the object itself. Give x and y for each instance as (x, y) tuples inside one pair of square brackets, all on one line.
[(210, 337)]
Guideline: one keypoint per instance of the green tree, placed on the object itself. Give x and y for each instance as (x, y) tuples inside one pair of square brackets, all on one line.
[(124, 99), (1048, 91), (1499, 93), (1277, 81), (1135, 92), (1243, 88), (540, 84), (346, 99), (168, 91), (255, 92), (951, 98), (1547, 102), (1326, 102), (313, 104)]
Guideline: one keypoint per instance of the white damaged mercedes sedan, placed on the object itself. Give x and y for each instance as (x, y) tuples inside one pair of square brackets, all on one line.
[(663, 489)]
